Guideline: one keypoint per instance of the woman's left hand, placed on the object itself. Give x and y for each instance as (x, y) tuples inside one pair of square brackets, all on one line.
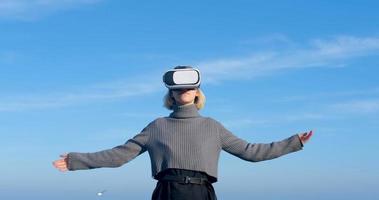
[(304, 137)]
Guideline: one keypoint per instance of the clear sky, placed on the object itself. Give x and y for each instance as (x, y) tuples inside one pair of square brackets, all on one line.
[(85, 75)]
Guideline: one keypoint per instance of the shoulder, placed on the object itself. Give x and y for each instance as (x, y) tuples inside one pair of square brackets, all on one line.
[(216, 124), (158, 121), (212, 121)]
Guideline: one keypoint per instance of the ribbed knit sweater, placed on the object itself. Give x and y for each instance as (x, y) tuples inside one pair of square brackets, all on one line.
[(184, 140)]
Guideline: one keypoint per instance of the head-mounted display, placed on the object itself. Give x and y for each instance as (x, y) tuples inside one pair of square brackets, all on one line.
[(182, 77)]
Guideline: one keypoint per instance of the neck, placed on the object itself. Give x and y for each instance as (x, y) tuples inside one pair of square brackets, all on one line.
[(186, 104), (185, 111)]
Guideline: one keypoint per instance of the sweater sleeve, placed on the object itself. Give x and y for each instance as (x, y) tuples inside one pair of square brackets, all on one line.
[(114, 157), (256, 152)]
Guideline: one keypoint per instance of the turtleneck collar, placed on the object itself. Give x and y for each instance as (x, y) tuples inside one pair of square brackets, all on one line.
[(185, 111)]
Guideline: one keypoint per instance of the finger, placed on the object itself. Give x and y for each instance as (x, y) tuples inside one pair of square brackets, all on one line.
[(309, 135), (60, 161), (58, 164), (60, 168), (61, 165)]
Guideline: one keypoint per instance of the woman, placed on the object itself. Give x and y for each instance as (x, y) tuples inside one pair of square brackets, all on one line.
[(184, 147)]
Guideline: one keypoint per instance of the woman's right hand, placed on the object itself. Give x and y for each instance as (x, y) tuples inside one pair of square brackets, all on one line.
[(61, 164)]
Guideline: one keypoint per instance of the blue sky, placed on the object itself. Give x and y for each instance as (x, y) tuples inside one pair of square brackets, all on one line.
[(85, 75)]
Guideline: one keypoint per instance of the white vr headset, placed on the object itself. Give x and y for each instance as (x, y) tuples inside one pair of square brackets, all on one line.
[(182, 77)]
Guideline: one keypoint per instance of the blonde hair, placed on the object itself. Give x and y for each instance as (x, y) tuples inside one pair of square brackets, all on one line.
[(169, 100)]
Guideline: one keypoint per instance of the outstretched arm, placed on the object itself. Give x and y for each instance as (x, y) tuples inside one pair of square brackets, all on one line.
[(256, 152), (114, 157)]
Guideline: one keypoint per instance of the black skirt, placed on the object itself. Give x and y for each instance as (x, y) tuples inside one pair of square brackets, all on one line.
[(169, 190)]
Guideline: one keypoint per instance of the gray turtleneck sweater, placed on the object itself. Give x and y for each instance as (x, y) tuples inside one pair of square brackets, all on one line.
[(184, 140)]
